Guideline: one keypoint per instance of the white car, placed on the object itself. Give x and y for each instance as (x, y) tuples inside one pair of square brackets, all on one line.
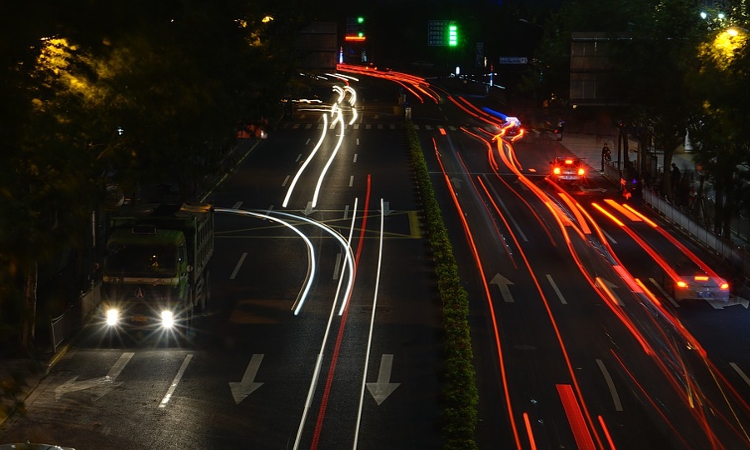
[(700, 287)]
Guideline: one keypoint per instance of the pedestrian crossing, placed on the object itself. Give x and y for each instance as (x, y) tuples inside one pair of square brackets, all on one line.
[(368, 126)]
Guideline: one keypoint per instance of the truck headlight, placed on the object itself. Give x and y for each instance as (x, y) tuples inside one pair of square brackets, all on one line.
[(113, 316), (167, 319)]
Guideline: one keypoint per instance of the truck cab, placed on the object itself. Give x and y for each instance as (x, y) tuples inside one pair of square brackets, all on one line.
[(154, 273)]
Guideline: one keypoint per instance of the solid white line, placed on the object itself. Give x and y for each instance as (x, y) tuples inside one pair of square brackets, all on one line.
[(372, 326), (740, 372), (176, 380), (237, 205), (286, 180), (557, 291), (611, 384), (237, 267), (351, 181)]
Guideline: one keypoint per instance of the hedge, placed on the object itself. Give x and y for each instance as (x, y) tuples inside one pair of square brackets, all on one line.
[(460, 395)]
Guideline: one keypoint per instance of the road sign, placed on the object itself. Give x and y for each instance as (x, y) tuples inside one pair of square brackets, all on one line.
[(514, 60), (437, 32)]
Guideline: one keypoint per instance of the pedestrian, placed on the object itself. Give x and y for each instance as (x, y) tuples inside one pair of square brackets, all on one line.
[(606, 155), (675, 178), (560, 127)]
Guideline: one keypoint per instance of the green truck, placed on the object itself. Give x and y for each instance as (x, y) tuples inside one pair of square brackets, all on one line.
[(155, 273)]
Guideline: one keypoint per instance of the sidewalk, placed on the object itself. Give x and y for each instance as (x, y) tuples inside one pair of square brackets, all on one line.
[(588, 147)]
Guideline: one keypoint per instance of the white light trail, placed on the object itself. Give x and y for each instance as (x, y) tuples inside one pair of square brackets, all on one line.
[(316, 370), (307, 161), (339, 118), (310, 251), (372, 326), (346, 246)]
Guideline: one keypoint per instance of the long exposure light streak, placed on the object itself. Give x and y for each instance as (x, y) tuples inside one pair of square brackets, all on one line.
[(339, 119), (372, 325), (307, 161), (488, 296), (302, 296)]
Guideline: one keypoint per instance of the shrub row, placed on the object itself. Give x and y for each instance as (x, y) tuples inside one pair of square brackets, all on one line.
[(459, 389)]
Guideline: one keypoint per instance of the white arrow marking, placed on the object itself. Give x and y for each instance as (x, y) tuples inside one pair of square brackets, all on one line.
[(240, 390), (611, 288), (734, 301), (386, 209), (381, 389), (664, 293), (503, 284), (99, 386)]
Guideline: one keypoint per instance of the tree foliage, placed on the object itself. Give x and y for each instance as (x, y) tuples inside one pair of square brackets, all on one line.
[(133, 93)]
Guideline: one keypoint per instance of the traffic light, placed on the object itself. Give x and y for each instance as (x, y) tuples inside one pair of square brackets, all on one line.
[(355, 29), (452, 35)]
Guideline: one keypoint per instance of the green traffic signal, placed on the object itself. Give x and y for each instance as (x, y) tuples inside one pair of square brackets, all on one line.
[(452, 35)]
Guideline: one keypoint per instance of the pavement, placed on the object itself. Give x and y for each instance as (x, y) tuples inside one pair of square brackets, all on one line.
[(588, 147)]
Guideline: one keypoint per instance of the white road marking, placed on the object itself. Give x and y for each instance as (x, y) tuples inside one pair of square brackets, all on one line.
[(237, 267), (337, 266), (664, 293), (557, 291), (286, 180), (611, 385), (237, 205), (176, 381), (740, 372), (351, 181), (355, 158)]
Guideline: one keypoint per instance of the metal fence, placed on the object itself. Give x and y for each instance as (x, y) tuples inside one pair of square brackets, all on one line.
[(64, 325), (694, 216)]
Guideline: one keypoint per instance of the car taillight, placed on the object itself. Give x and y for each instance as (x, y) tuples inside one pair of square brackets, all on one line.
[(556, 171), (581, 172), (724, 286), (681, 284)]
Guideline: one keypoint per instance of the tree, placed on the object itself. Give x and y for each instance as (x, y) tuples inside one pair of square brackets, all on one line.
[(720, 131)]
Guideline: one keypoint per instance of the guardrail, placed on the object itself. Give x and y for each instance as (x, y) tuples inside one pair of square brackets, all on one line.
[(62, 326), (733, 253)]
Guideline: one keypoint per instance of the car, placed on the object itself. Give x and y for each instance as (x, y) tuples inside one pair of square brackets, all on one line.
[(512, 129), (699, 286), (567, 169)]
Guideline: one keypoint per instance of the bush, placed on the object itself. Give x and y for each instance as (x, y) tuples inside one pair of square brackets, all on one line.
[(460, 390)]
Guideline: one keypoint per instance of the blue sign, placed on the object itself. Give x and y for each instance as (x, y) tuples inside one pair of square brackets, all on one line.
[(514, 60)]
